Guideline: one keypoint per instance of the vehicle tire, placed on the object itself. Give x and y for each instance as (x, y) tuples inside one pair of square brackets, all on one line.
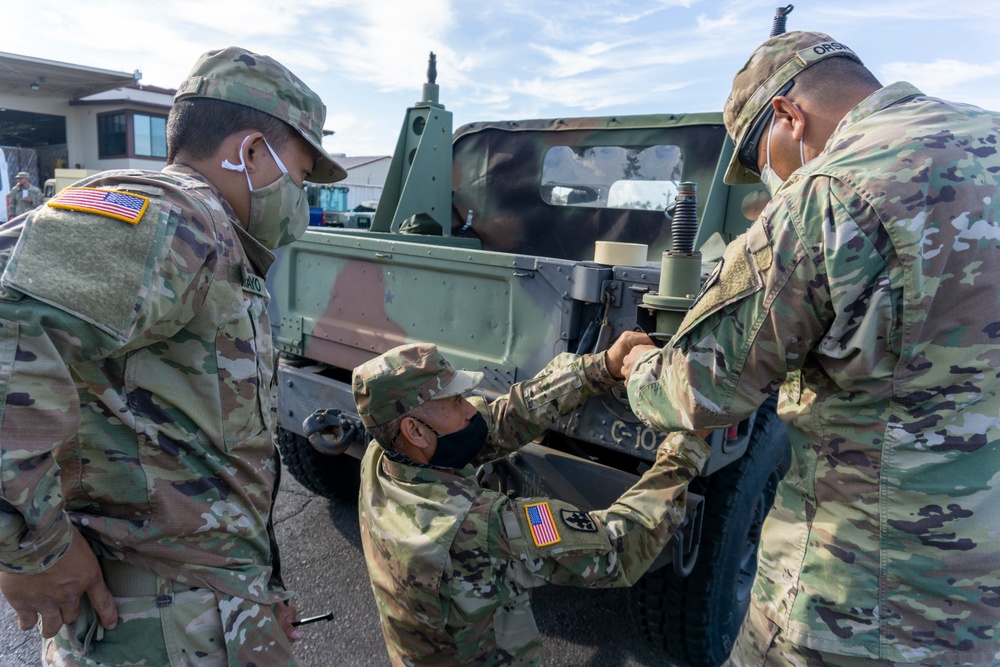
[(696, 618), (334, 477)]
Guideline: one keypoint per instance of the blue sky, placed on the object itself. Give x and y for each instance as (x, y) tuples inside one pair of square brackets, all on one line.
[(509, 59)]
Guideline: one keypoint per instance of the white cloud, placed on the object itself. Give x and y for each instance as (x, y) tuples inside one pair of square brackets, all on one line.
[(583, 95), (727, 21), (587, 58), (955, 80), (386, 43), (875, 13), (939, 73), (642, 14), (509, 59)]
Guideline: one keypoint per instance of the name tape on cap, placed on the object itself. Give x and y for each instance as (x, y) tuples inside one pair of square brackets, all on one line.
[(816, 52)]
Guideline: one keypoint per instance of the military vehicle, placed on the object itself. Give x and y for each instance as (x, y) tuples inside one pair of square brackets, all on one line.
[(326, 202), (484, 244)]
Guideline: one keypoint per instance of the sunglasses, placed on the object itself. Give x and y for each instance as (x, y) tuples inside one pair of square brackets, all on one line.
[(751, 145)]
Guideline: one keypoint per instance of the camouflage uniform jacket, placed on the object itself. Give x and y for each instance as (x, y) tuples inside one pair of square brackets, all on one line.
[(135, 380), (17, 203), (868, 291), (451, 563)]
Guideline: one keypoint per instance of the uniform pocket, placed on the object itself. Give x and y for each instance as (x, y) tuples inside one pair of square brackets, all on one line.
[(81, 635), (542, 391), (237, 357), (514, 625)]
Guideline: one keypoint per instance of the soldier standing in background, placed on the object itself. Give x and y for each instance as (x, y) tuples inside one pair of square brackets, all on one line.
[(451, 562), (868, 292), (23, 197), (137, 467)]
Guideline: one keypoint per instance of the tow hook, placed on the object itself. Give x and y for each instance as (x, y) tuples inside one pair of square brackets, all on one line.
[(331, 432)]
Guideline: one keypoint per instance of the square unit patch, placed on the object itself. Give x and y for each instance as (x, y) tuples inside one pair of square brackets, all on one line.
[(123, 206)]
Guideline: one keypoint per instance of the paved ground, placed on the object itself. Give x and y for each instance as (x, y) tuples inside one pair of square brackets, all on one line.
[(323, 562)]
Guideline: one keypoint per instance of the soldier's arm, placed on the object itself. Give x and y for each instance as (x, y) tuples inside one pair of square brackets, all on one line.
[(564, 385), (759, 316), (45, 564), (556, 542), (42, 555), (51, 320), (40, 413), (532, 406)]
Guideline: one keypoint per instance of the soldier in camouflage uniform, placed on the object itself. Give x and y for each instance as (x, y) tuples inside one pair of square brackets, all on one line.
[(868, 292), (452, 563), (23, 197), (136, 458)]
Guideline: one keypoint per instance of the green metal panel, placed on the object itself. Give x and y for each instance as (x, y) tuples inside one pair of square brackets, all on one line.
[(346, 298), (419, 178)]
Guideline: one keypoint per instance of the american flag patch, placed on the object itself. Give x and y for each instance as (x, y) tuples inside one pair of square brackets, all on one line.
[(111, 203), (543, 529)]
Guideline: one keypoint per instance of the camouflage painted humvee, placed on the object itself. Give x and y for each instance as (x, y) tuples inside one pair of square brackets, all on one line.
[(484, 243)]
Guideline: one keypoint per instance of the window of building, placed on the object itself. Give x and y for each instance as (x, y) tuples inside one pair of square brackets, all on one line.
[(112, 138), (150, 134), (131, 134)]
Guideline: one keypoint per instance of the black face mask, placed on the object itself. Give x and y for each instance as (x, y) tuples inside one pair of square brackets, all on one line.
[(457, 450)]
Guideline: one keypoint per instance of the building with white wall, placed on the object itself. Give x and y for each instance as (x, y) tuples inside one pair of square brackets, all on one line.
[(60, 115), (55, 114), (365, 177)]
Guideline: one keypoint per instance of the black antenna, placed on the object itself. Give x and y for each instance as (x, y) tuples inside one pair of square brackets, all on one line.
[(432, 69), (780, 14)]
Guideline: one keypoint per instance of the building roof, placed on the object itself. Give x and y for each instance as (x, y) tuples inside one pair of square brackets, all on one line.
[(133, 96), (356, 161), (23, 75)]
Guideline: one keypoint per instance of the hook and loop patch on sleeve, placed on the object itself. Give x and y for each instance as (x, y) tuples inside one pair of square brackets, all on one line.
[(542, 526), (578, 520), (556, 528), (71, 256), (737, 276), (123, 206)]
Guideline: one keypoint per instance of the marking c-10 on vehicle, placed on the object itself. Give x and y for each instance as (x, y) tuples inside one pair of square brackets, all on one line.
[(635, 435)]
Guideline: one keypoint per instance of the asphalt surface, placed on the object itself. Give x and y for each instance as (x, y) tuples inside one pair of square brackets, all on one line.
[(323, 562)]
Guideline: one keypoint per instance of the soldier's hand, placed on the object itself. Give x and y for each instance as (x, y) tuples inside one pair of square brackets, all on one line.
[(55, 594), (633, 356), (287, 613), (620, 350)]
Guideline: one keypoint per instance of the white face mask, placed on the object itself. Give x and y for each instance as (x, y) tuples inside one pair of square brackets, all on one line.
[(768, 176), (279, 211)]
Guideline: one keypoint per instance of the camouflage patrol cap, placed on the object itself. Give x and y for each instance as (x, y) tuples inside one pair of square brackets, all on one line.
[(262, 83), (21, 174), (775, 62), (394, 383)]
